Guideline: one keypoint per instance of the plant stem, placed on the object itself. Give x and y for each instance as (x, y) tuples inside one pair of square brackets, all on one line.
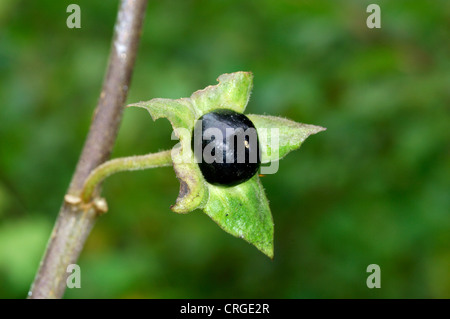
[(131, 163), (74, 221)]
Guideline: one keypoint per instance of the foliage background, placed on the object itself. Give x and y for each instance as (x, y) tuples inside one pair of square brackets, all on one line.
[(374, 188)]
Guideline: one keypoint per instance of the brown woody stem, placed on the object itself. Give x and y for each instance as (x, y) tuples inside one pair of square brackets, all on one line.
[(76, 220)]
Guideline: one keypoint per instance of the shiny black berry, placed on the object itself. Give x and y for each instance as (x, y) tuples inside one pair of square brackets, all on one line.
[(226, 147)]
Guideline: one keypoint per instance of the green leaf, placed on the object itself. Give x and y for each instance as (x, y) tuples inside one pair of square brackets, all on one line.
[(193, 188), (244, 212), (232, 92), (290, 135), (193, 191), (180, 113)]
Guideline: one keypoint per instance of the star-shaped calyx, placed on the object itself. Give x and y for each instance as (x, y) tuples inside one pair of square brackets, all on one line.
[(241, 210)]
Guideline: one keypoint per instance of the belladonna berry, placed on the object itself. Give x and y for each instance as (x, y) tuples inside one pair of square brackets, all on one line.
[(226, 147)]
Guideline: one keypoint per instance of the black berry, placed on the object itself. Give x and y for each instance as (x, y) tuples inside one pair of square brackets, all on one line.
[(226, 147)]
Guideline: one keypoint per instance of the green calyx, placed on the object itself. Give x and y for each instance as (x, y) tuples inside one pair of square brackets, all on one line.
[(241, 210)]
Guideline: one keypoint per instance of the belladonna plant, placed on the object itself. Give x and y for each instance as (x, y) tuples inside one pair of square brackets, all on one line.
[(228, 188), (230, 193)]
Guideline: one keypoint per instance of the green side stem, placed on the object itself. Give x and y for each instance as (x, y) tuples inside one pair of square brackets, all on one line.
[(121, 164)]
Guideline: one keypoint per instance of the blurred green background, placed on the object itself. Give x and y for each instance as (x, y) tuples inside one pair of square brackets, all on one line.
[(373, 188)]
